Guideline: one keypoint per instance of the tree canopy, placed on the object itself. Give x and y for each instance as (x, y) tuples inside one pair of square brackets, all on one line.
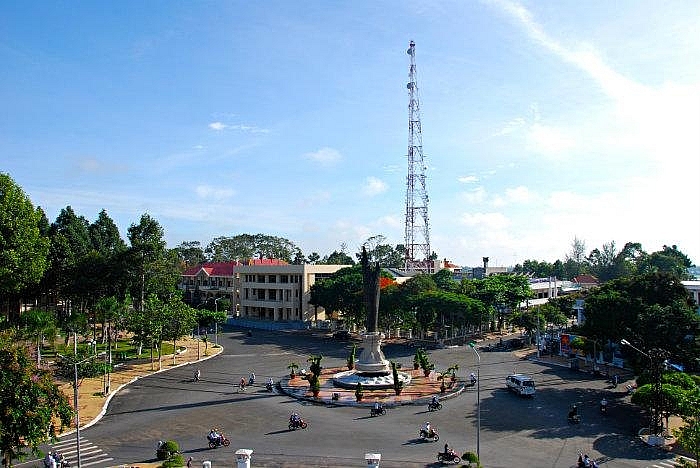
[(23, 248), (29, 400)]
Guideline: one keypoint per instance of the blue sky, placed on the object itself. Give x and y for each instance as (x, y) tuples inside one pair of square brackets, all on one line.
[(542, 121)]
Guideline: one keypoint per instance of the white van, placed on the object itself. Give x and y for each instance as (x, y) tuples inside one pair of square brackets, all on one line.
[(521, 384)]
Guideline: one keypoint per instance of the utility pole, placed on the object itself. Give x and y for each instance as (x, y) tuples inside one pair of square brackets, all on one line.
[(417, 229)]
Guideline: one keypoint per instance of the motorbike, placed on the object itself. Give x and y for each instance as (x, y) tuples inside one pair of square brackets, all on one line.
[(221, 441), (268, 386), (450, 457), (377, 411), (432, 435), (603, 409), (574, 418), (434, 406), (296, 424)]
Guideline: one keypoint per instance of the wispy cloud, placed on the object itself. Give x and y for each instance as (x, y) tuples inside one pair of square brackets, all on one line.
[(93, 165), (510, 127), (660, 122), (325, 156), (549, 141), (487, 221), (374, 186), (215, 193), (476, 196), (468, 179), (219, 126)]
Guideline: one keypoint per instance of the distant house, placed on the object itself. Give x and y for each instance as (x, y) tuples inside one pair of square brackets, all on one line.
[(586, 281), (693, 288)]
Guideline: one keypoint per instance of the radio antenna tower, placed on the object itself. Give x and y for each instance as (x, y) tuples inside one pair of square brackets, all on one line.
[(417, 239)]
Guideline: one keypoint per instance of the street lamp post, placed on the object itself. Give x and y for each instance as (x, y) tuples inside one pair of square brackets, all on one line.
[(216, 323), (656, 359), (478, 399), (75, 400)]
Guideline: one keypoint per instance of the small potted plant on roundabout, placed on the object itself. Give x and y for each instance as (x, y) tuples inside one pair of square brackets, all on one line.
[(398, 384), (293, 366), (351, 357), (359, 392)]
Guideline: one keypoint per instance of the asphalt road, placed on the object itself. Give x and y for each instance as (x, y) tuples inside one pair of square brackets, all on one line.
[(515, 431)]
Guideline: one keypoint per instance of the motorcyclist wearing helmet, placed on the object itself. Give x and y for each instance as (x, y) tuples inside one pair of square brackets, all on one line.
[(427, 428)]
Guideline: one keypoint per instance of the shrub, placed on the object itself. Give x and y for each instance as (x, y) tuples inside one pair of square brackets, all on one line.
[(175, 461), (167, 450), (470, 457)]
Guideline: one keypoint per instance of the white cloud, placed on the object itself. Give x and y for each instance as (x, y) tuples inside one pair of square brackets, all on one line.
[(548, 141), (218, 126), (389, 221), (485, 221), (374, 186), (98, 166), (510, 127), (216, 193), (660, 123), (475, 196), (468, 179), (520, 194), (248, 128), (325, 156)]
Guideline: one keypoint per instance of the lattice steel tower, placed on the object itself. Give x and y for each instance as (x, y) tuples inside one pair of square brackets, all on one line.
[(417, 229)]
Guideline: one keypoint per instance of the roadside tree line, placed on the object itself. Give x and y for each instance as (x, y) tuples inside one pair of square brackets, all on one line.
[(609, 262)]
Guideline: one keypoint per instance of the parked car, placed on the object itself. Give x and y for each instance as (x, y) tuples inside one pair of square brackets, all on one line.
[(341, 335)]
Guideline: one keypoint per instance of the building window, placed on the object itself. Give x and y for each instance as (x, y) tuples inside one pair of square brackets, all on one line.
[(271, 278), (284, 279), (261, 278)]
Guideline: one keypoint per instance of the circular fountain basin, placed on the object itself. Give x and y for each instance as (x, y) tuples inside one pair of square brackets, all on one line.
[(350, 379)]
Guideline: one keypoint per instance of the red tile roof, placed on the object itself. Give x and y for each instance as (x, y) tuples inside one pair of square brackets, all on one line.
[(263, 261), (212, 269), (586, 279), (226, 268)]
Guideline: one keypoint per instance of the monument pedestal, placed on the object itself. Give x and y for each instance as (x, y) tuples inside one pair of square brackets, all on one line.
[(372, 360)]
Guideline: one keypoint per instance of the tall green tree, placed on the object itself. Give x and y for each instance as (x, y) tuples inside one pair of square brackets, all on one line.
[(669, 260), (385, 254), (190, 253), (38, 324), (653, 309), (341, 292), (246, 246), (154, 269), (29, 400), (337, 258), (23, 248)]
